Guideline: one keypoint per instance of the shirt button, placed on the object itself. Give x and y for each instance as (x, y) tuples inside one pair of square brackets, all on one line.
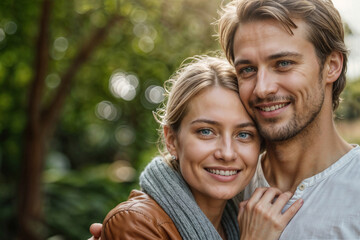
[(302, 187)]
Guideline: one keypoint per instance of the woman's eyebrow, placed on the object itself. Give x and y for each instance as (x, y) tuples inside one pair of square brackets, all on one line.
[(246, 124), (203, 120), (241, 125)]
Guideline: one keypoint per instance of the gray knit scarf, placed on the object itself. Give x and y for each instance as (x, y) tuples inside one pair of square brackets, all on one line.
[(171, 192)]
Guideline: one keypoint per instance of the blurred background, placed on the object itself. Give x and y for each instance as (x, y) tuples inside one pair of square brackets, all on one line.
[(78, 83)]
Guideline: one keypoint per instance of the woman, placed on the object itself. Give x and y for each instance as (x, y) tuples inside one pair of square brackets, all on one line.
[(210, 154)]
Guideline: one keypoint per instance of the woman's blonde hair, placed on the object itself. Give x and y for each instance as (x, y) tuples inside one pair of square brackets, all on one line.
[(193, 76)]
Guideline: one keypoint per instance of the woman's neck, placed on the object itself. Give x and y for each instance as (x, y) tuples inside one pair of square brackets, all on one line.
[(213, 210), (222, 232)]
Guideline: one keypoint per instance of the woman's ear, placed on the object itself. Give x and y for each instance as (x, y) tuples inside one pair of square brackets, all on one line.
[(170, 140), (334, 66)]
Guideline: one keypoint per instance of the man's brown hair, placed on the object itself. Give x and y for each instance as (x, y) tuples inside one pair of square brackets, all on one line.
[(325, 28)]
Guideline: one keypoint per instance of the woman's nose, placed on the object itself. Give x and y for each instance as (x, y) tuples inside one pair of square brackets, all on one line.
[(225, 151)]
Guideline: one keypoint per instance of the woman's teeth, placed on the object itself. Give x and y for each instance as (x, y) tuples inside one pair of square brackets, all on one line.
[(222, 172)]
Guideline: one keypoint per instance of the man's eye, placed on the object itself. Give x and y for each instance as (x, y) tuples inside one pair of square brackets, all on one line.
[(244, 135), (246, 72), (283, 64), (247, 69)]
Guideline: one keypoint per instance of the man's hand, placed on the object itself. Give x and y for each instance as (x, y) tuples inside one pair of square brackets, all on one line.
[(95, 230), (260, 217)]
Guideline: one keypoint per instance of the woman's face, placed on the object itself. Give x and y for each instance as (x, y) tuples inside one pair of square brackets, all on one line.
[(217, 145)]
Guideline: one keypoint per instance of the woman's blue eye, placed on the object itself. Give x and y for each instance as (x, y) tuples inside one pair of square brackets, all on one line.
[(205, 131)]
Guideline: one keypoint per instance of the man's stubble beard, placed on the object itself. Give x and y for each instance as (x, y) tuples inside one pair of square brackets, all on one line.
[(298, 122)]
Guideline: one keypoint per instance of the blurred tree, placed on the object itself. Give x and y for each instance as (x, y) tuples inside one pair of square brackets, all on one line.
[(78, 82), (350, 108), (42, 117)]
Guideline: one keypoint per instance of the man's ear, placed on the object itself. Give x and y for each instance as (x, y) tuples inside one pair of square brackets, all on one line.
[(334, 65), (170, 140)]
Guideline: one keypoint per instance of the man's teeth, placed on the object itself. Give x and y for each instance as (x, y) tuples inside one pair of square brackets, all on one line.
[(272, 108), (222, 172)]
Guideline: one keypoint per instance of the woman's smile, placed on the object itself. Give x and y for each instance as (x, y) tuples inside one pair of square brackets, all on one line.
[(217, 145)]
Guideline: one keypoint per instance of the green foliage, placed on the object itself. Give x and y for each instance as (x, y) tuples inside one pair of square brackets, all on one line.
[(350, 106), (79, 198), (96, 128), (348, 113), (150, 41)]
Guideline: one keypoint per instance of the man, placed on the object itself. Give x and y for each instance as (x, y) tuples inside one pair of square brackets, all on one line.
[(290, 60)]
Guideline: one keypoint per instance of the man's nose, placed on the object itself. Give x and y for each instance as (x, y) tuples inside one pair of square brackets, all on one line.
[(266, 84)]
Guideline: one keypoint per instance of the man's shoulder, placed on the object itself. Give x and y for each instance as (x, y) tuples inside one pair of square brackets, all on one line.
[(356, 149), (351, 158)]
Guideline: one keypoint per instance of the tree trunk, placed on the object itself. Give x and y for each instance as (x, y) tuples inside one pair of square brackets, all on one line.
[(31, 199), (41, 123), (30, 194)]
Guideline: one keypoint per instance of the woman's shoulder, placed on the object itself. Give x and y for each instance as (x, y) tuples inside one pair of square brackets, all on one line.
[(139, 217), (141, 203)]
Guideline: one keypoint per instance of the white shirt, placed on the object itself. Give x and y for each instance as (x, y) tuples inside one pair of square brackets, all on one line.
[(331, 208)]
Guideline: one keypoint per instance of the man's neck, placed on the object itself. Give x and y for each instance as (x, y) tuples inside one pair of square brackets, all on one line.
[(287, 164)]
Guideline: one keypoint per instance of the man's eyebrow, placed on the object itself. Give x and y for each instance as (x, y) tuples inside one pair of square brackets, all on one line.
[(271, 57), (241, 61), (285, 54)]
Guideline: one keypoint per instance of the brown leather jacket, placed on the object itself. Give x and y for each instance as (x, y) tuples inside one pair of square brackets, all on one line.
[(140, 217)]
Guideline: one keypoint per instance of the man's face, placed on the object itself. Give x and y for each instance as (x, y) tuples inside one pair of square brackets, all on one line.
[(279, 78)]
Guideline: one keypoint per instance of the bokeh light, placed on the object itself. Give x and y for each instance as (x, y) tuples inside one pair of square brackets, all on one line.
[(10, 27), (57, 165), (141, 30), (52, 80), (125, 135), (61, 44), (106, 110), (138, 16), (56, 55), (155, 94), (2, 34), (146, 44), (121, 171), (84, 6), (96, 135), (145, 32), (123, 85)]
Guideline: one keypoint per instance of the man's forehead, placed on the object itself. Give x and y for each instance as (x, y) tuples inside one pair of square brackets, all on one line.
[(267, 36), (266, 27)]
